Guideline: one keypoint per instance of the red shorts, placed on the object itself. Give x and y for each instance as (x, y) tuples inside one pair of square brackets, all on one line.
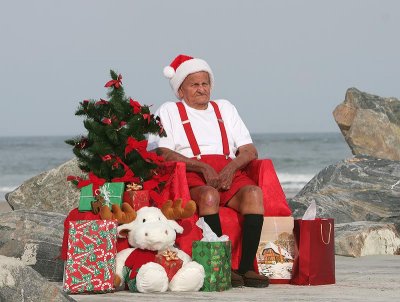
[(240, 178)]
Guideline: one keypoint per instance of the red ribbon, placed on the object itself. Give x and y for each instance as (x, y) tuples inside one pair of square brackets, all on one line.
[(148, 117), (135, 105), (129, 175), (106, 121), (101, 102), (116, 83), (93, 179), (155, 181), (106, 157), (140, 147)]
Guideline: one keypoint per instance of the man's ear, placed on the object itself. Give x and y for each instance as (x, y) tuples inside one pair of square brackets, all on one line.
[(180, 93)]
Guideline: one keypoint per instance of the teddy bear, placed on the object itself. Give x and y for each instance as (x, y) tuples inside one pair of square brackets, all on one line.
[(151, 233)]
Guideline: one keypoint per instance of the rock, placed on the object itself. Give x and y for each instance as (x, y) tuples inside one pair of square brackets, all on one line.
[(364, 238), (19, 282), (362, 188), (370, 124), (49, 191), (35, 238)]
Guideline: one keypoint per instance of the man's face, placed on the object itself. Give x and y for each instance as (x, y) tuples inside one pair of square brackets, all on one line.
[(195, 90)]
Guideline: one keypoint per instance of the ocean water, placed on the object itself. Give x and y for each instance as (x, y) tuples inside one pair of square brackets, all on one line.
[(297, 157)]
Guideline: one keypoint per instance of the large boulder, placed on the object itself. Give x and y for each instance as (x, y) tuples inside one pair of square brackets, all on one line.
[(364, 238), (19, 282), (49, 191), (362, 188), (35, 238), (370, 124)]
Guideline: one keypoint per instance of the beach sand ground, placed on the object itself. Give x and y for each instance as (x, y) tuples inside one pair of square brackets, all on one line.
[(369, 278)]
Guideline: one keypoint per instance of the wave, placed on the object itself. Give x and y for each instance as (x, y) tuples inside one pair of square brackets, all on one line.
[(294, 181), (7, 189)]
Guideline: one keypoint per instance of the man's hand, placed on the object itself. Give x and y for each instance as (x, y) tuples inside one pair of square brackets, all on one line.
[(226, 176), (211, 176), (246, 154)]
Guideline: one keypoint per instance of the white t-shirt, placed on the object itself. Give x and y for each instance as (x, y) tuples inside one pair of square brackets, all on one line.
[(205, 128)]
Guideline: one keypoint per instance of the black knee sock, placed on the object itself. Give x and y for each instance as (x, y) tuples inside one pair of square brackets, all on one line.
[(214, 223), (252, 226)]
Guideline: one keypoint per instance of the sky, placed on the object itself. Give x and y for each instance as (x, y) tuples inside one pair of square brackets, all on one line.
[(286, 65)]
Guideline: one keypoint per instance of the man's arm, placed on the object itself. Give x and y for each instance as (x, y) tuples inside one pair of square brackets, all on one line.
[(210, 175), (246, 154)]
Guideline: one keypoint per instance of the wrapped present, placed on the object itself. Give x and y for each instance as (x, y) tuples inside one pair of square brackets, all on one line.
[(111, 193), (215, 257), (90, 264), (170, 261), (137, 199), (276, 250)]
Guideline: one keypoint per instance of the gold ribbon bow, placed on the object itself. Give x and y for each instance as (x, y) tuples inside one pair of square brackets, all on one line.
[(170, 255), (133, 187)]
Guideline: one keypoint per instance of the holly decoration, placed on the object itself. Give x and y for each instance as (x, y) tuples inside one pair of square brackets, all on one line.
[(114, 149)]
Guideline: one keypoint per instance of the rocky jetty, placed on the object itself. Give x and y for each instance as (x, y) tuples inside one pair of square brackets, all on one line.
[(362, 193), (34, 238), (362, 188), (370, 124), (48, 191), (19, 282)]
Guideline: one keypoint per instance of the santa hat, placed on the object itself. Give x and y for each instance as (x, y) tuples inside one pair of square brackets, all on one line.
[(181, 67)]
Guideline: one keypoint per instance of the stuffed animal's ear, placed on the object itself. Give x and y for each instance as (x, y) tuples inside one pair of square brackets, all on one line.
[(123, 233), (175, 226)]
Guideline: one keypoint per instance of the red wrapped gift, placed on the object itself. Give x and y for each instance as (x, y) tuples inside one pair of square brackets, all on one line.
[(90, 263), (170, 261), (137, 199)]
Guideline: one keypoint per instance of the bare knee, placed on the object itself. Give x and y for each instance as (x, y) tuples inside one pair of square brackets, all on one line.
[(251, 200), (207, 199)]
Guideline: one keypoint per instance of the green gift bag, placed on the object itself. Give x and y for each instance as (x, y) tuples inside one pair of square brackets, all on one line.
[(215, 257), (111, 192)]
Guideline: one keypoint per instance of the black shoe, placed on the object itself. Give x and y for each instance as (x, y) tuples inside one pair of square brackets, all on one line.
[(236, 279), (252, 279)]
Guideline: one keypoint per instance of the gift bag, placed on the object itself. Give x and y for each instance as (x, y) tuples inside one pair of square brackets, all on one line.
[(110, 192), (315, 262), (215, 257), (90, 264), (276, 250)]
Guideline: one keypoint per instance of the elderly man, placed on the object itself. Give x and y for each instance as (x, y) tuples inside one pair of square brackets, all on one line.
[(210, 137)]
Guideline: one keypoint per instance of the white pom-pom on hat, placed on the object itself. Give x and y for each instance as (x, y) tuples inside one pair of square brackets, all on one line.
[(169, 72)]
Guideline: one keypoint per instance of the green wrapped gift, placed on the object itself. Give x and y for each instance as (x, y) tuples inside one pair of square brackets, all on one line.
[(111, 192), (215, 257)]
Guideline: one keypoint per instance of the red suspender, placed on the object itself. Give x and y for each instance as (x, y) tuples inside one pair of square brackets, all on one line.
[(224, 137), (189, 131)]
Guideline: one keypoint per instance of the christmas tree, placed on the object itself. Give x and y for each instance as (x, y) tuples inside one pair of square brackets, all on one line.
[(114, 149)]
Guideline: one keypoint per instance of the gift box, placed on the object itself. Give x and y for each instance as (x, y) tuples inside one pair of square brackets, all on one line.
[(137, 199), (215, 257), (111, 193), (90, 264), (170, 261), (276, 250)]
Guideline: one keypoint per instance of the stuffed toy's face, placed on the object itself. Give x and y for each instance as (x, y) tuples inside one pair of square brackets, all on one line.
[(151, 230)]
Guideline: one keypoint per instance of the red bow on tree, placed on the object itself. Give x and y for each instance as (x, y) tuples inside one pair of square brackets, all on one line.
[(101, 102), (129, 175), (135, 105), (140, 147), (116, 83)]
